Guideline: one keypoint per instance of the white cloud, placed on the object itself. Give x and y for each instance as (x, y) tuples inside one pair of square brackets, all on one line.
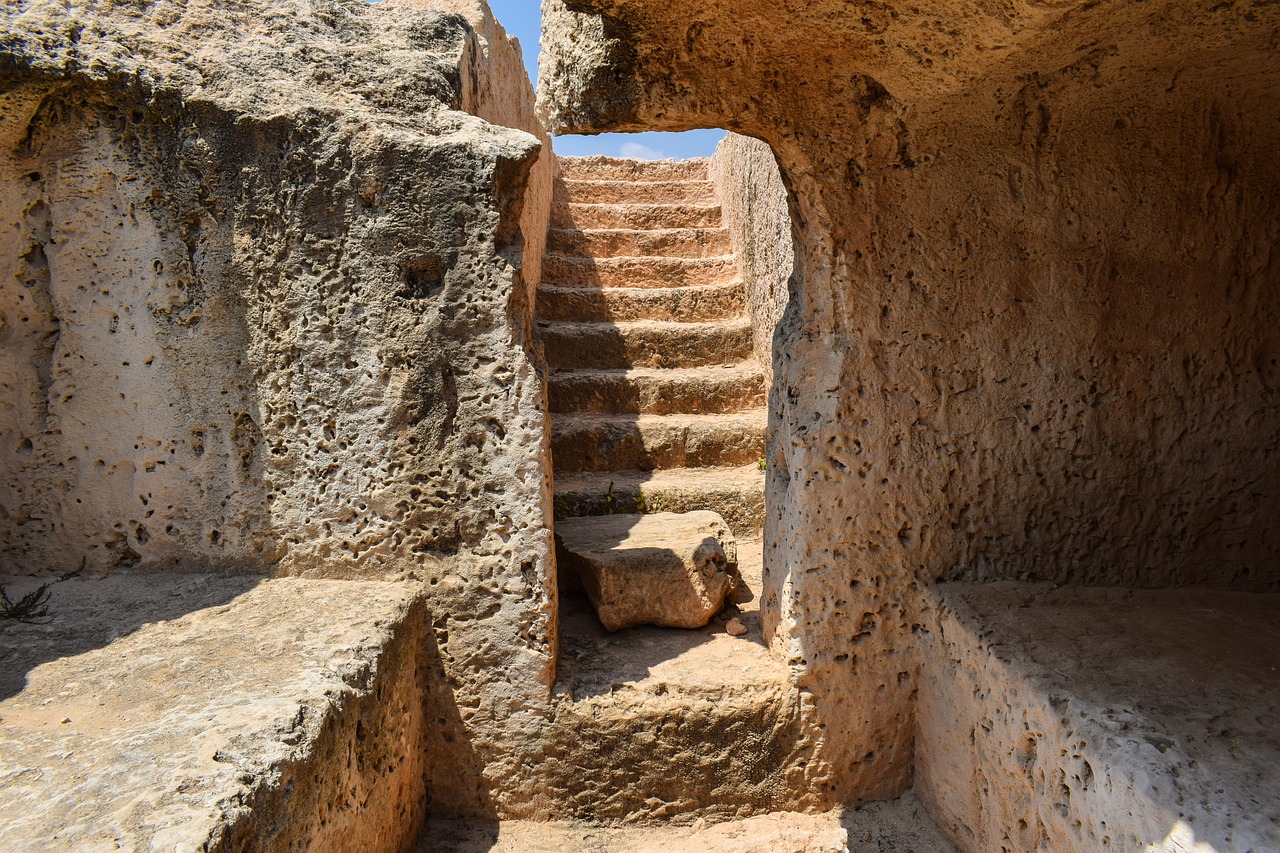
[(636, 151)]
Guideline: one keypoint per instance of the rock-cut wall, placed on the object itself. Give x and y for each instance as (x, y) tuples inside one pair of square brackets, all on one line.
[(256, 297), (753, 199), (265, 304), (1033, 327)]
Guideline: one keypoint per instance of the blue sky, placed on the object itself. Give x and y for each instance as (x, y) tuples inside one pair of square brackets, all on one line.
[(523, 19)]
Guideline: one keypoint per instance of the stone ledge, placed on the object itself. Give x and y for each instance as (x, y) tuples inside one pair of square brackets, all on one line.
[(214, 713), (1082, 719)]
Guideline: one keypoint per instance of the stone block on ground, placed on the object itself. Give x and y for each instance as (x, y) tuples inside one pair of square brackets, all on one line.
[(666, 569)]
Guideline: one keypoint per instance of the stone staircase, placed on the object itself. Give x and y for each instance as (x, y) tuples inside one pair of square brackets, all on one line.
[(657, 402), (657, 405)]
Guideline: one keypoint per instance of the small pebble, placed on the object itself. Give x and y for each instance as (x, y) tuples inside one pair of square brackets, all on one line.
[(735, 628)]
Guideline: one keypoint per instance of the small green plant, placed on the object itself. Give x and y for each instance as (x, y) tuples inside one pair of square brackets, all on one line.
[(761, 464), (642, 504), (31, 607), (562, 508), (610, 500), (654, 502)]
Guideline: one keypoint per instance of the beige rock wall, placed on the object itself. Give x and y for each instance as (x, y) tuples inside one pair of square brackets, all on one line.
[(497, 89), (266, 333), (266, 303), (1035, 316), (754, 201), (499, 615), (120, 448)]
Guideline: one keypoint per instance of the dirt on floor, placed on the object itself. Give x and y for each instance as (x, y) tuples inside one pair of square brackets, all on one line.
[(899, 826)]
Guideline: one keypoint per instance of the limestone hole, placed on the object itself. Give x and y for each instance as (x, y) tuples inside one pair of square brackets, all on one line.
[(424, 276)]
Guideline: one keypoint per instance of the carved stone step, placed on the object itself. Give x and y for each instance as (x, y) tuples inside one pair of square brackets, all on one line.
[(699, 390), (617, 169), (647, 343), (636, 192), (691, 304), (638, 216), (637, 271), (645, 442), (901, 824), (736, 494), (631, 242)]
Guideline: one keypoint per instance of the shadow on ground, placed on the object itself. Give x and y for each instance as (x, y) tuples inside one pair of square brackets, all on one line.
[(88, 614)]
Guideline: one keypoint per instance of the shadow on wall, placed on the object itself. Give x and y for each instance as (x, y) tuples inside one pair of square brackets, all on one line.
[(455, 771)]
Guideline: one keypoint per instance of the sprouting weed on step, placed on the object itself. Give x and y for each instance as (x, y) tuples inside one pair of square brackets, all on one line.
[(649, 503), (31, 607)]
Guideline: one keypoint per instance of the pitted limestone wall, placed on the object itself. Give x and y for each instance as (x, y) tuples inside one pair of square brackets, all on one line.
[(266, 307), (1034, 329), (754, 201), (497, 89), (498, 615), (268, 321), (121, 446)]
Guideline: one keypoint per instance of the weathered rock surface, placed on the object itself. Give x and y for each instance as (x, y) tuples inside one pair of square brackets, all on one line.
[(199, 712), (266, 281), (234, 328), (1033, 327), (670, 569), (1072, 719), (266, 289)]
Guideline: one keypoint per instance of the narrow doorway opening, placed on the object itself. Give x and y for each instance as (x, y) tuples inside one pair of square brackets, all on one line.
[(658, 389)]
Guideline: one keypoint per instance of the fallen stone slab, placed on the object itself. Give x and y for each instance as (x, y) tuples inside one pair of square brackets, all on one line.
[(212, 713), (668, 569)]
